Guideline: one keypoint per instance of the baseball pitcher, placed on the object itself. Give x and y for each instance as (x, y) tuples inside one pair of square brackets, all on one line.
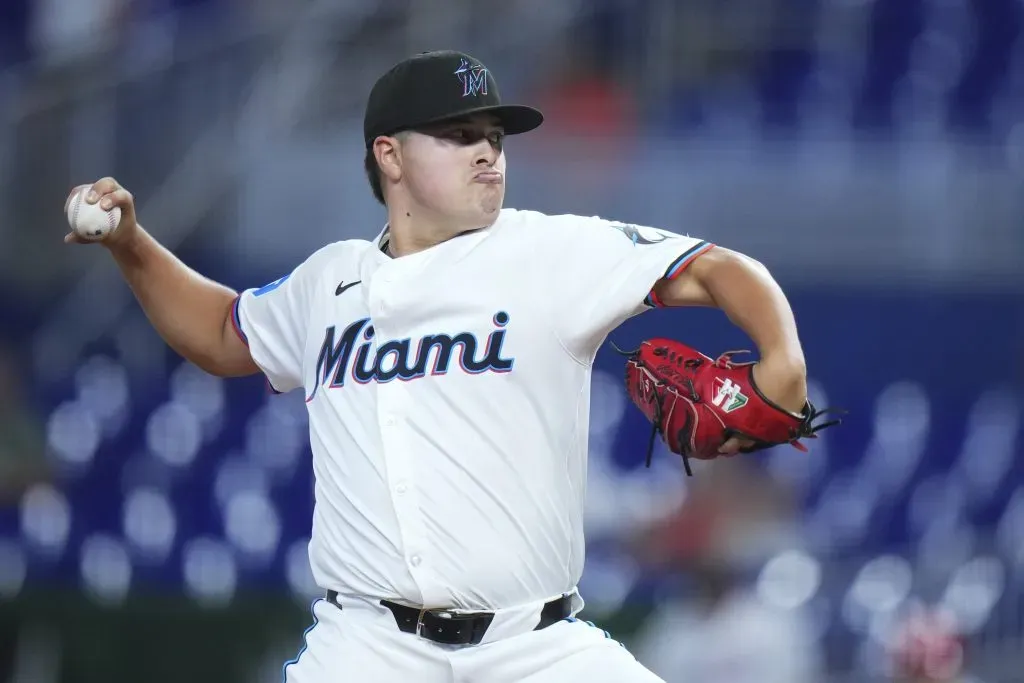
[(446, 367)]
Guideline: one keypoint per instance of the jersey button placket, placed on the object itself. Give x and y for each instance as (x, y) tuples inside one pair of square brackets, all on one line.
[(401, 473), (392, 412), (380, 293)]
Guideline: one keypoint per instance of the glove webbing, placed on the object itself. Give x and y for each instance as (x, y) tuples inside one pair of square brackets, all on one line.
[(656, 430), (656, 426)]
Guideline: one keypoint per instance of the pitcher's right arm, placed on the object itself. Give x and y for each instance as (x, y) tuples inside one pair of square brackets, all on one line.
[(192, 313)]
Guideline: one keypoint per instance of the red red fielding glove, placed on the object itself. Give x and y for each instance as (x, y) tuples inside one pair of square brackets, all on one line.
[(697, 404)]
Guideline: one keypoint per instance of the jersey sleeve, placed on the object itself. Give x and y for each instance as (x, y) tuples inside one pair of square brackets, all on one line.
[(273, 321), (605, 273)]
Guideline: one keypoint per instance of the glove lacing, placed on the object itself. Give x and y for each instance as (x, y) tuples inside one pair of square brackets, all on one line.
[(656, 426), (656, 430)]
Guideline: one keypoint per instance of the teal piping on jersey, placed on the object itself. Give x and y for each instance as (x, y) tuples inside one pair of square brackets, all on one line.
[(677, 267), (574, 620), (236, 323), (305, 644)]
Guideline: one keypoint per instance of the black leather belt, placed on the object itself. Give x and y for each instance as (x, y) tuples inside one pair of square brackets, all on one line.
[(463, 628)]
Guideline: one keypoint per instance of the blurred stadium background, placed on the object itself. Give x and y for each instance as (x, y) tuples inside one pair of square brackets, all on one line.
[(870, 152)]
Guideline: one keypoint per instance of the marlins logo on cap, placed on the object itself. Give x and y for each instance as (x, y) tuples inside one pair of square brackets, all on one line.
[(473, 78)]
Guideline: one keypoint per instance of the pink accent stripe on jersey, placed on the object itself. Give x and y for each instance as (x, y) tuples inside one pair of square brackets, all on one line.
[(653, 300), (236, 322), (686, 259), (677, 267)]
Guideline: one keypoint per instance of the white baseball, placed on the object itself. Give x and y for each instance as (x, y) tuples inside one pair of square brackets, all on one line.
[(89, 221)]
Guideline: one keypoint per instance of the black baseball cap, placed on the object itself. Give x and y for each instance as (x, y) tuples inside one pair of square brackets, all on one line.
[(436, 86)]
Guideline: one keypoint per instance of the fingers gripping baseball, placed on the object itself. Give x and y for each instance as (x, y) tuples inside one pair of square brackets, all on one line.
[(101, 212)]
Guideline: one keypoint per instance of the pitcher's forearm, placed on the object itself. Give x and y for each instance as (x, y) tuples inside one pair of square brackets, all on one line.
[(190, 312)]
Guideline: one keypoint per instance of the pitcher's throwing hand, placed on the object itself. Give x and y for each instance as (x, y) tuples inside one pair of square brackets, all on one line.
[(101, 212)]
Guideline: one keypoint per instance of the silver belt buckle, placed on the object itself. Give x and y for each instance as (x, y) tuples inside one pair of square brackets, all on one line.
[(419, 618)]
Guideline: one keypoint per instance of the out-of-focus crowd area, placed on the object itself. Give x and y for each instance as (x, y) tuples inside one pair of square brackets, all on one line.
[(154, 519)]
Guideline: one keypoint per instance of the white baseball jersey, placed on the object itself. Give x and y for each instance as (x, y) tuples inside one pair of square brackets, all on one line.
[(448, 395)]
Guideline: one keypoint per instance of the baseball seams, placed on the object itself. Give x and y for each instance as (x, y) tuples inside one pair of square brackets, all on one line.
[(78, 204)]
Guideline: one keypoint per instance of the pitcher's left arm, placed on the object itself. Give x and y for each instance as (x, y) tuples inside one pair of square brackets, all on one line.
[(746, 292)]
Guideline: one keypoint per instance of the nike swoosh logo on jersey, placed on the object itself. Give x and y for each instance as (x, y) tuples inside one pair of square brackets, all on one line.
[(342, 287)]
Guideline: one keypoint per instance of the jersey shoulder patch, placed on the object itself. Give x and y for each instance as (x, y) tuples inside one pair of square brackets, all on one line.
[(631, 232), (271, 286), (641, 234)]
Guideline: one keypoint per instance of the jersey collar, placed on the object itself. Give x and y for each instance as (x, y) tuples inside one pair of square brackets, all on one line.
[(383, 239)]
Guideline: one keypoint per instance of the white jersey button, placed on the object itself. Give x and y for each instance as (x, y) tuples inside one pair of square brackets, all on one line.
[(401, 488), (415, 560)]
